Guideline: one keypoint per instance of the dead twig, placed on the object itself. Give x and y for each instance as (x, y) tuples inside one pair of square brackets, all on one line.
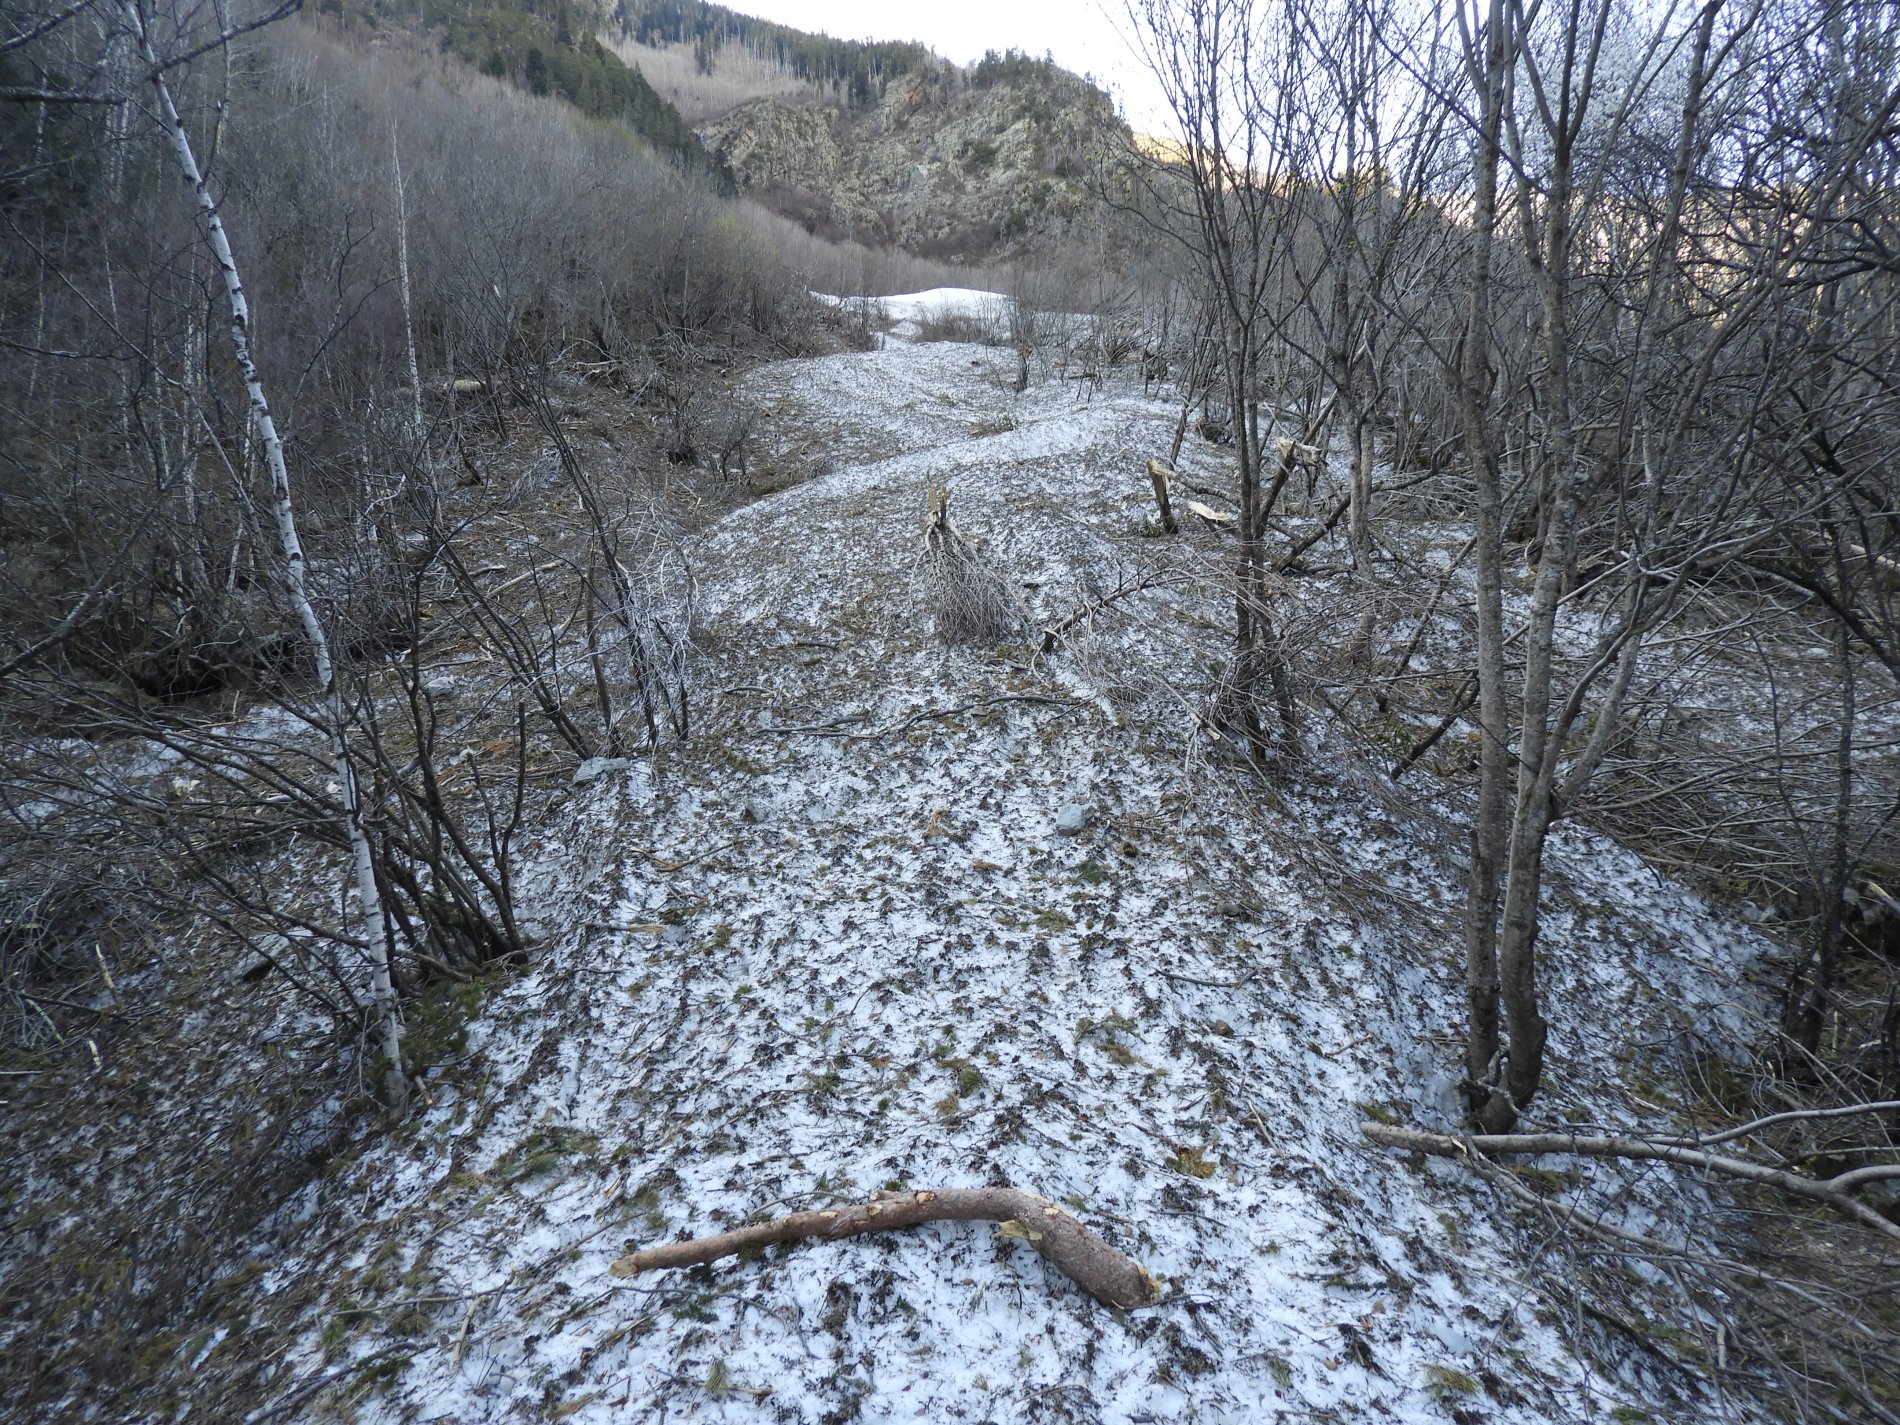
[(927, 715)]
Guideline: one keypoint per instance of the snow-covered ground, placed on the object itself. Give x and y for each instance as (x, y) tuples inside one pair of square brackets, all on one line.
[(840, 943), (907, 312)]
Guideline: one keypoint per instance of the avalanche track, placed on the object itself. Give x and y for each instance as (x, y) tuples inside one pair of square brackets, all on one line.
[(840, 942)]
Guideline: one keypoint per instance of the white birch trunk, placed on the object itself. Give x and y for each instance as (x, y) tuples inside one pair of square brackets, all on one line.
[(382, 987), (402, 271)]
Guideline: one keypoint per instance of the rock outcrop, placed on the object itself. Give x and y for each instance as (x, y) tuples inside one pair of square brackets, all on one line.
[(946, 163)]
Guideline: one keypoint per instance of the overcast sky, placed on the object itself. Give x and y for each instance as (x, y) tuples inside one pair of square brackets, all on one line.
[(1080, 33)]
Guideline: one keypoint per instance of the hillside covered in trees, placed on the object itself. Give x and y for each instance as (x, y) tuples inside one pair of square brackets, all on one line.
[(858, 72), (549, 49)]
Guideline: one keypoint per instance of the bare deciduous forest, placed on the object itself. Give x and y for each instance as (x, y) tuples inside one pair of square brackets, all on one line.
[(1321, 745)]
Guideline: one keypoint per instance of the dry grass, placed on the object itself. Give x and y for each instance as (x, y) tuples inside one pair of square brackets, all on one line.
[(945, 324)]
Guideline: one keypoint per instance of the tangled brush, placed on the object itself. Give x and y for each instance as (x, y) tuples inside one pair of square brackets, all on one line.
[(968, 601)]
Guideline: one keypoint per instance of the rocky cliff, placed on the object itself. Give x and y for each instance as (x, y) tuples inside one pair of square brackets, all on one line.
[(945, 162)]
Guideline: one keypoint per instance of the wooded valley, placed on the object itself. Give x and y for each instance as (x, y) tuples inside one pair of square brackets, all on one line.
[(629, 636)]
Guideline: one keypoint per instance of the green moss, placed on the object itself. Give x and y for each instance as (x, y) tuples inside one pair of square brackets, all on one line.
[(350, 1317), (1191, 1162), (542, 1151), (384, 1371), (1446, 1384), (157, 1351), (1548, 1182), (436, 1023), (697, 1307)]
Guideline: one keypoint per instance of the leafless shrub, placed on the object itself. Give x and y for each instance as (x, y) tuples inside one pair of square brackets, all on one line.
[(1249, 697), (861, 322), (57, 907), (1754, 1293), (953, 324), (1117, 344), (732, 435), (1083, 634), (968, 601)]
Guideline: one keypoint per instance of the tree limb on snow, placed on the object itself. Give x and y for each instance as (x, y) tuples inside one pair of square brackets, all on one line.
[(1835, 1192), (838, 729), (1126, 586), (1064, 1243)]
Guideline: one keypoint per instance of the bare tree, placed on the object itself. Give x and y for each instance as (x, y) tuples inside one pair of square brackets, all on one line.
[(369, 896), (1231, 77)]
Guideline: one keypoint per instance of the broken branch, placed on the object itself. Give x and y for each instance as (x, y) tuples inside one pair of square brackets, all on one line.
[(1836, 1192), (1126, 586), (1064, 1243)]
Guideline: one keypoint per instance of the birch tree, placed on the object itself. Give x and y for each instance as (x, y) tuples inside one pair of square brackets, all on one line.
[(334, 713)]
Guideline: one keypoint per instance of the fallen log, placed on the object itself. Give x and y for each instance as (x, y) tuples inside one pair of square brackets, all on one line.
[(1064, 1243)]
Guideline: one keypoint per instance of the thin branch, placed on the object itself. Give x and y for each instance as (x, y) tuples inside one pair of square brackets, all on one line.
[(1835, 1192)]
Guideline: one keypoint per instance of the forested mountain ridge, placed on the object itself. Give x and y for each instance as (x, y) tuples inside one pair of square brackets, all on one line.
[(886, 142), (881, 142), (546, 49), (854, 70)]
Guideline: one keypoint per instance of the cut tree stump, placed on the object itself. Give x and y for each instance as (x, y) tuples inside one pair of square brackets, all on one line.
[(1064, 1243), (1159, 475)]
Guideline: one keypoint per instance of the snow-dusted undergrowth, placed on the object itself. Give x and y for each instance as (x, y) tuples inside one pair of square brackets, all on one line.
[(840, 943)]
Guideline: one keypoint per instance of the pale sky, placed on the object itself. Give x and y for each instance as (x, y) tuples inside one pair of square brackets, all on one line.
[(1084, 35)]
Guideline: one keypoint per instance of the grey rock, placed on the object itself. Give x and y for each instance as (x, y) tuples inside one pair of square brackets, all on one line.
[(599, 767), (1071, 817), (929, 162)]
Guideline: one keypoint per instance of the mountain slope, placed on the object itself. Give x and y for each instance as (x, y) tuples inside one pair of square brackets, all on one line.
[(547, 49), (883, 142)]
